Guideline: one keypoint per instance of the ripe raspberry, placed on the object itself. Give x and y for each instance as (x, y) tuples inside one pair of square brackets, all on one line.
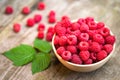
[(83, 37), (101, 55), (89, 19), (110, 40), (76, 59), (75, 26), (92, 25), (93, 56), (72, 40), (104, 32), (95, 47), (83, 45), (84, 27), (51, 29), (100, 25), (40, 35), (65, 17), (81, 21), (89, 61), (108, 48), (76, 33), (62, 40), (72, 49), (60, 30), (52, 19), (30, 22), (66, 55), (37, 18), (84, 55), (26, 10), (9, 10), (98, 38), (49, 36), (41, 6), (66, 23), (41, 27), (56, 40), (91, 33), (16, 27), (60, 50), (51, 13)]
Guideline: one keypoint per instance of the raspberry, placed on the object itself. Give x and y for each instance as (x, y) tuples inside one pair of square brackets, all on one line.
[(72, 49), (66, 23), (84, 27), (16, 27), (72, 40), (104, 32), (76, 33), (89, 19), (95, 47), (92, 25), (40, 35), (83, 37), (108, 48), (37, 18), (84, 55), (100, 25), (75, 26), (65, 17), (93, 56), (51, 29), (83, 45), (98, 38), (60, 50), (49, 36), (52, 19), (56, 40), (63, 40), (110, 40), (81, 21), (101, 55), (30, 22), (51, 13), (9, 10), (26, 10), (60, 30), (41, 6), (91, 33), (66, 55), (76, 59), (41, 27), (89, 61)]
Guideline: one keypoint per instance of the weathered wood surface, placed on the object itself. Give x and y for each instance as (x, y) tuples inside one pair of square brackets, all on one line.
[(103, 10)]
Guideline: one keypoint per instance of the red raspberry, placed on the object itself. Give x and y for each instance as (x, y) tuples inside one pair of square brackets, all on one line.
[(26, 10), (95, 47), (41, 27), (100, 25), (81, 21), (60, 50), (56, 40), (89, 61), (30, 22), (104, 32), (41, 6), (89, 19), (37, 18), (76, 59), (72, 40), (84, 55), (51, 29), (51, 13), (98, 38), (9, 10), (72, 49), (52, 19), (110, 40), (91, 33), (63, 40), (83, 45), (75, 26), (16, 27), (93, 56), (40, 35), (76, 33), (101, 55), (84, 27), (60, 30), (83, 37), (66, 55), (66, 23), (92, 25), (49, 36), (108, 48), (65, 17)]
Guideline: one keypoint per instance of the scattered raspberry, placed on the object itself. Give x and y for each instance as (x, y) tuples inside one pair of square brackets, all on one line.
[(72, 49), (60, 50), (41, 27), (51, 13), (92, 25), (37, 18), (83, 37), (56, 40), (63, 40), (76, 59), (98, 38), (105, 32), (16, 27), (108, 48), (95, 47), (72, 40), (100, 25), (9, 10), (26, 10), (101, 55), (83, 45), (40, 35), (65, 17), (84, 27), (66, 23), (41, 6), (51, 29), (84, 55), (52, 19), (60, 30), (89, 61), (49, 36), (66, 55), (110, 40), (30, 22), (81, 21), (75, 26)]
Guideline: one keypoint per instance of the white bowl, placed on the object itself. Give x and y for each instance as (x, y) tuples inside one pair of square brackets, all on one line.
[(81, 67)]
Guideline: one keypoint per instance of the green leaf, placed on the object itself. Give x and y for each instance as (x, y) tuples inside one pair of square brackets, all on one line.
[(40, 62), (21, 55), (43, 46)]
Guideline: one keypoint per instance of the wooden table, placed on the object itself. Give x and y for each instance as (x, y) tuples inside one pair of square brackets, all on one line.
[(107, 11)]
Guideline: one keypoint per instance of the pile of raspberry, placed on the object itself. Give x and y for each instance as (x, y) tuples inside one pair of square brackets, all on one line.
[(83, 41)]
